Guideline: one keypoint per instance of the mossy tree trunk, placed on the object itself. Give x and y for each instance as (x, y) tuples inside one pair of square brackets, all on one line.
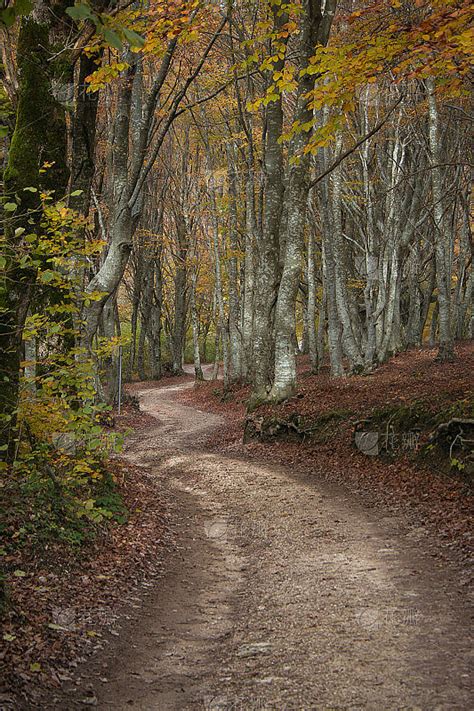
[(39, 137)]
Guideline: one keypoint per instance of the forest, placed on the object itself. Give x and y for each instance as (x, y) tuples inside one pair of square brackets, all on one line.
[(240, 230)]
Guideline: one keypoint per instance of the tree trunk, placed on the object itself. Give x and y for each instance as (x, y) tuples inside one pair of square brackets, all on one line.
[(434, 325), (198, 374), (441, 239), (235, 336), (107, 279), (156, 316), (267, 264), (109, 370), (249, 268), (311, 308), (221, 331), (315, 28), (141, 352), (350, 345), (40, 135), (83, 136), (179, 328)]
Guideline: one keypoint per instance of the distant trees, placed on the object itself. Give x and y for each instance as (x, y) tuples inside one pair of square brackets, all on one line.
[(333, 190)]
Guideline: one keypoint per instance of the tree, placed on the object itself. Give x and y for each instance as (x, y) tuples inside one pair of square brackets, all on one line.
[(36, 162)]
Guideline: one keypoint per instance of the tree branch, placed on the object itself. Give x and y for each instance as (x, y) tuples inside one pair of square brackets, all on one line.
[(357, 145), (172, 115)]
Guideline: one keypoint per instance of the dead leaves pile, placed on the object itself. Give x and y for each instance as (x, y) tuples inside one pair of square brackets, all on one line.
[(60, 605)]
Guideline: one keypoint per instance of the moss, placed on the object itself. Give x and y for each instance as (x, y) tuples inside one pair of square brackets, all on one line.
[(39, 136), (420, 414), (23, 160), (295, 427), (324, 426), (424, 417), (40, 128), (404, 417)]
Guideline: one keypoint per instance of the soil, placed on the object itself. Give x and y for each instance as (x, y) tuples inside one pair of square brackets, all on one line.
[(283, 591)]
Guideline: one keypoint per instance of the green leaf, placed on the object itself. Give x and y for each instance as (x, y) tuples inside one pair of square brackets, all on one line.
[(47, 276), (9, 637), (10, 206), (3, 131), (19, 231), (35, 667), (76, 193), (3, 262), (80, 12), (133, 38), (112, 38), (19, 573), (31, 189)]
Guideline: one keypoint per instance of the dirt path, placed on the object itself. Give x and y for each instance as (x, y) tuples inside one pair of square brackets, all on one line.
[(282, 594)]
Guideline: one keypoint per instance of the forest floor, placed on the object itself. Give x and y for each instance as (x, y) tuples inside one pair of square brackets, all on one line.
[(287, 575)]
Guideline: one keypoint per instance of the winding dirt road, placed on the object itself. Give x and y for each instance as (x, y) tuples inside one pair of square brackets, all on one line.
[(281, 594)]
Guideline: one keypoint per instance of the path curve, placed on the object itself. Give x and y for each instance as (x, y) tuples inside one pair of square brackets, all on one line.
[(282, 594)]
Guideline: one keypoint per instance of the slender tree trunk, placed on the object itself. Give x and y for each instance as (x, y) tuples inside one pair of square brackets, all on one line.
[(179, 319), (249, 268), (311, 309), (350, 345), (427, 298), (393, 300), (334, 324), (370, 291), (217, 341), (30, 345), (109, 365), (441, 239), (235, 336), (321, 328), (133, 336), (141, 351), (156, 316), (334, 331), (465, 291), (434, 325), (198, 374), (303, 347), (222, 327)]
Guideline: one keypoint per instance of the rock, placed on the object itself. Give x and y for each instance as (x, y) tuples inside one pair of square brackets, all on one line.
[(89, 701), (253, 648)]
